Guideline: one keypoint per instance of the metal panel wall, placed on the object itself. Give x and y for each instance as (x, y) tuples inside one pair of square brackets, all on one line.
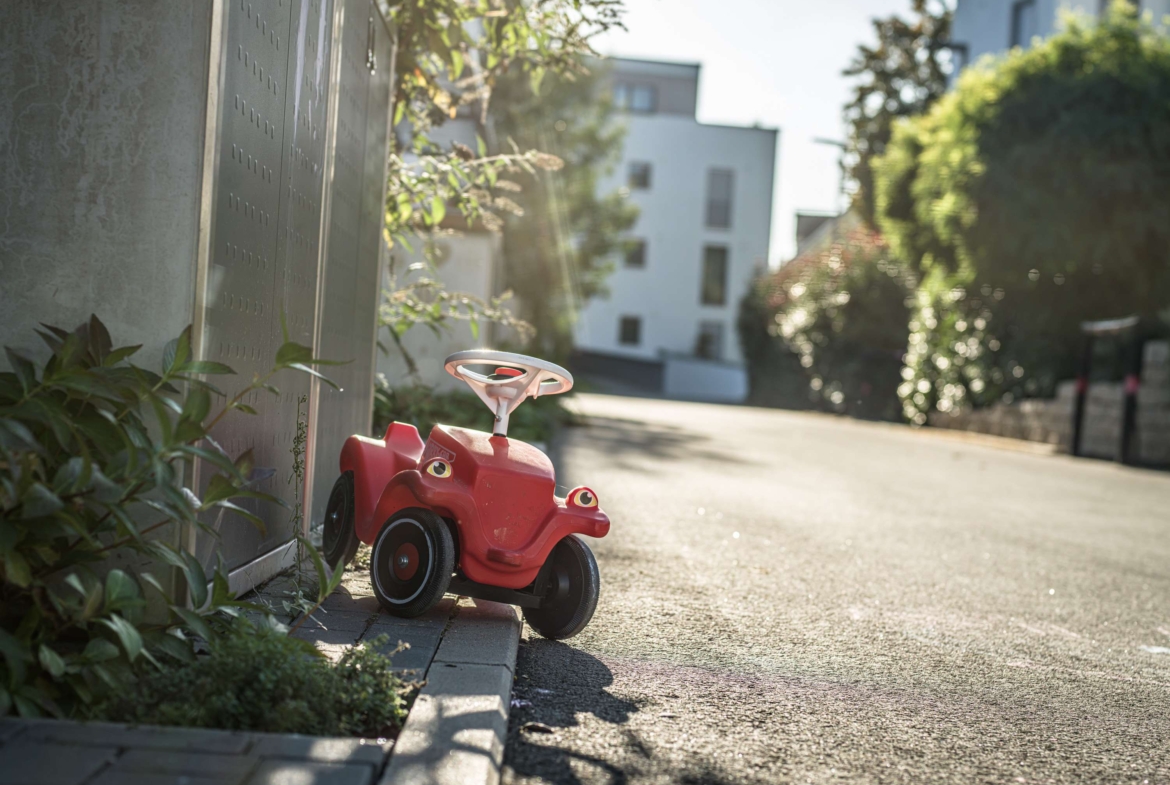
[(264, 238), (355, 219)]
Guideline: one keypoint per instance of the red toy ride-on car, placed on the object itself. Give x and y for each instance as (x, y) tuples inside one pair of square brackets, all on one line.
[(469, 512)]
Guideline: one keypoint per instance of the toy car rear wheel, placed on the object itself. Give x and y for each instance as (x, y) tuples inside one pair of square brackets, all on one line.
[(574, 585), (339, 542), (412, 563)]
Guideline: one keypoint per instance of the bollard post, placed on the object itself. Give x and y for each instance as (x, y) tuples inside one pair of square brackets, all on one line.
[(1133, 377), (1081, 391)]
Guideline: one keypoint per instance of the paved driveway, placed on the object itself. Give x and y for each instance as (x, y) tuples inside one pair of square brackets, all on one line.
[(793, 597)]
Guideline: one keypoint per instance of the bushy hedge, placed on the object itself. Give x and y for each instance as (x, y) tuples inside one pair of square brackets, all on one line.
[(836, 319), (1030, 198)]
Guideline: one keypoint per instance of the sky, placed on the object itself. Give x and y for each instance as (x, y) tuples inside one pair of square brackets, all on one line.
[(773, 62)]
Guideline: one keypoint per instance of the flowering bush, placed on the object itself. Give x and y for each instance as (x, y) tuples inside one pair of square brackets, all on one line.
[(841, 311), (1023, 199)]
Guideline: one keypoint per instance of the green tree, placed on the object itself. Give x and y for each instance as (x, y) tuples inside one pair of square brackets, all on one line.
[(900, 76), (556, 251), (450, 56), (1032, 197)]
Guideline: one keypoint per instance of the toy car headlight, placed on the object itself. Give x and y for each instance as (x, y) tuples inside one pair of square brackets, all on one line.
[(582, 497), (439, 468)]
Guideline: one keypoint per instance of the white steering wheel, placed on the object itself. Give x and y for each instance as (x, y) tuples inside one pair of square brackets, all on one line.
[(516, 377)]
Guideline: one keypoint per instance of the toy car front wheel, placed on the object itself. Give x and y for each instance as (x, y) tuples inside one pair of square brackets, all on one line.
[(574, 585), (414, 556), (339, 542)]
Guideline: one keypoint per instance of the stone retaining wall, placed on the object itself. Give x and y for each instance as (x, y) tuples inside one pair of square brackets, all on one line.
[(1050, 420)]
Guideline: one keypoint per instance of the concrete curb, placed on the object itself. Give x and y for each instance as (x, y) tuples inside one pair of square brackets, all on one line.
[(456, 729)]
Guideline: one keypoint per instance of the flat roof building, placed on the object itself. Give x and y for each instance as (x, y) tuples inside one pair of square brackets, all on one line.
[(705, 198)]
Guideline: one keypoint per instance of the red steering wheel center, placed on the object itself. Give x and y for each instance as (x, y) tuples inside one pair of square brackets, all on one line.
[(405, 562)]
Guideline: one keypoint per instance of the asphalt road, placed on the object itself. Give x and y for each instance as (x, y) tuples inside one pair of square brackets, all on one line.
[(799, 598)]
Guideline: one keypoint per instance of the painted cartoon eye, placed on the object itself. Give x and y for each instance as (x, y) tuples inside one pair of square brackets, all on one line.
[(439, 468), (583, 497)]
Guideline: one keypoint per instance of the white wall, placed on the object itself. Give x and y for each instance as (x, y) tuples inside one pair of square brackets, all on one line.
[(470, 266), (985, 26), (665, 293), (703, 380)]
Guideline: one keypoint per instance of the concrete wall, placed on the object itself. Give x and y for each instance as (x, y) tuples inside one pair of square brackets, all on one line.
[(665, 293), (1050, 420), (691, 378), (101, 152), (115, 199)]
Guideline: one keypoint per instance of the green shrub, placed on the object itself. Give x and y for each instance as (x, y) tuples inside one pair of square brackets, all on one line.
[(1031, 198), (93, 453), (836, 319), (424, 407), (259, 679)]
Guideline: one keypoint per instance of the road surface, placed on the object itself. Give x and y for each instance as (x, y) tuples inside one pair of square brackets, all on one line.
[(792, 597)]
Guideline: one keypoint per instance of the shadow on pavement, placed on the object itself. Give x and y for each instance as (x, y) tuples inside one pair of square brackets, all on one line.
[(560, 682), (645, 447)]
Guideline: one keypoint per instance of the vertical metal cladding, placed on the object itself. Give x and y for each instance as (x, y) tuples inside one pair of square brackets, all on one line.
[(248, 271), (351, 285), (270, 244)]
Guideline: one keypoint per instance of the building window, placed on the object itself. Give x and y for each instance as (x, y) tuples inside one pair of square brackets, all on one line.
[(630, 331), (1025, 22), (709, 344), (636, 253), (638, 175), (714, 283), (635, 97), (719, 186), (960, 54)]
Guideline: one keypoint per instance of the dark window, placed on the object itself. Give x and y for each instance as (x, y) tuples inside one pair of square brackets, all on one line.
[(639, 175), (960, 53), (636, 253), (719, 186), (1025, 22), (714, 282), (644, 98), (621, 96), (635, 97), (630, 331), (709, 344)]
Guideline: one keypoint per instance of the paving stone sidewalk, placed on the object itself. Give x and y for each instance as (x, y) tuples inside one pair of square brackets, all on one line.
[(50, 752)]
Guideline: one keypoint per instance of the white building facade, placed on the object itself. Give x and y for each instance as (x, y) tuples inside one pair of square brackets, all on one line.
[(984, 27), (705, 198)]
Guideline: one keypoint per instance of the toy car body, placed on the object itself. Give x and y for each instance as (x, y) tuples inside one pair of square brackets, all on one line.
[(470, 512)]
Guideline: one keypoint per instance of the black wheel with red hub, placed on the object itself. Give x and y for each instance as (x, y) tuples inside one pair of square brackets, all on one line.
[(339, 542), (572, 586), (414, 557)]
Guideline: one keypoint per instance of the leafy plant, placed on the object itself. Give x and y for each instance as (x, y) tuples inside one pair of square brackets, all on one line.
[(424, 407), (259, 679), (451, 55), (93, 455), (1029, 198), (841, 311), (901, 75), (419, 298)]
